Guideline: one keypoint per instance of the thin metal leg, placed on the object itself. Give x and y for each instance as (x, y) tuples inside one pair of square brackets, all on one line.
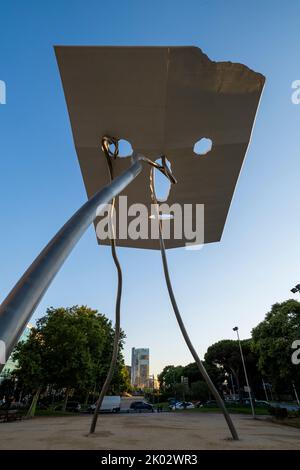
[(185, 335), (115, 351), (198, 361), (18, 307)]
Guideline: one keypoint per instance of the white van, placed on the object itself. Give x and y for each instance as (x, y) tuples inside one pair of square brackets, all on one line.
[(110, 403)]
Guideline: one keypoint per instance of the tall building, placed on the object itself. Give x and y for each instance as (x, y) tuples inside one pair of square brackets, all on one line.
[(140, 367)]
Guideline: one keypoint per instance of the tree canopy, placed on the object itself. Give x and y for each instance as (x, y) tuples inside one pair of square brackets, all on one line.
[(70, 348), (226, 355), (272, 341)]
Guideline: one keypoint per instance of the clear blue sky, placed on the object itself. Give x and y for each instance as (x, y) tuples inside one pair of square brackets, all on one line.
[(228, 283)]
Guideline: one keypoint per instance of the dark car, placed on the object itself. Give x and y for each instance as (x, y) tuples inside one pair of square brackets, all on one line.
[(210, 404), (141, 406), (42, 406), (261, 404), (13, 406)]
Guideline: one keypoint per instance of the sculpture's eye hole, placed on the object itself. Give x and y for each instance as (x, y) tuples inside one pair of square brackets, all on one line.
[(162, 185), (203, 146), (125, 148), (112, 148)]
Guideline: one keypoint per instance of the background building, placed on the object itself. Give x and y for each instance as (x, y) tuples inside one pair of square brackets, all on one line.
[(128, 368), (140, 367), (153, 382)]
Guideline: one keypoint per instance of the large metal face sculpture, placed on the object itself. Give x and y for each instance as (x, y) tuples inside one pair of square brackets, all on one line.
[(162, 100)]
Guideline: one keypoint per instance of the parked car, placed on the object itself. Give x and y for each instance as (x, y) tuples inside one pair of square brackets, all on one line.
[(72, 407), (141, 406), (210, 404), (42, 406), (174, 405), (182, 405), (262, 403), (198, 404), (110, 404)]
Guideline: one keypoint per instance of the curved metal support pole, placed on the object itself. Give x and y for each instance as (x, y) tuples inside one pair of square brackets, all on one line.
[(21, 302), (185, 335), (197, 359), (115, 352)]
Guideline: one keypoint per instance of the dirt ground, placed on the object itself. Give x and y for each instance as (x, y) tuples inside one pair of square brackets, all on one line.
[(147, 431)]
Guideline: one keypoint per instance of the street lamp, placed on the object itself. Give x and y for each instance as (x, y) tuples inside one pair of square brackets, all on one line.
[(296, 289), (265, 390), (245, 371)]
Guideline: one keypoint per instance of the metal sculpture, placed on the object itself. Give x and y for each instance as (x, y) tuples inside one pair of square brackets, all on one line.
[(163, 100)]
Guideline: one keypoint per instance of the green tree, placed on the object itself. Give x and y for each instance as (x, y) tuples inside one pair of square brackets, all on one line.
[(199, 391), (169, 377), (121, 380), (170, 381), (193, 374), (7, 385), (30, 371), (272, 340), (225, 354), (69, 348), (74, 339)]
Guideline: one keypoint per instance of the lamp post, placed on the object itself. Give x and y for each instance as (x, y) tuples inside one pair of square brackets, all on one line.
[(295, 290), (265, 390), (245, 371), (295, 392)]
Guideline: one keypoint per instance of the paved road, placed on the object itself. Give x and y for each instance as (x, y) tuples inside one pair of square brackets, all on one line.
[(147, 431)]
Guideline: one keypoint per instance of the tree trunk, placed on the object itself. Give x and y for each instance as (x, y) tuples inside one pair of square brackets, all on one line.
[(66, 400), (32, 408)]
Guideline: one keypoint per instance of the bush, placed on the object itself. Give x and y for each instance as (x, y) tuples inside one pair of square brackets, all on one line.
[(294, 413)]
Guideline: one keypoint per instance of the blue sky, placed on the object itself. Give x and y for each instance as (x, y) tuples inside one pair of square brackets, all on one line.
[(227, 283)]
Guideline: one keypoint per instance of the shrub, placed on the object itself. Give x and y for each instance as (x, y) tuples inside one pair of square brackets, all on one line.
[(278, 412)]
